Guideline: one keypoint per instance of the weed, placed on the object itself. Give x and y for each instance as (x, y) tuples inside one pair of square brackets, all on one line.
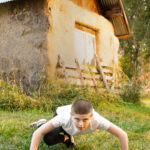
[(131, 92)]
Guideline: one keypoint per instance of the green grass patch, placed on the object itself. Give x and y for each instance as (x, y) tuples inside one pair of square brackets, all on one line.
[(145, 100), (18, 110), (134, 119)]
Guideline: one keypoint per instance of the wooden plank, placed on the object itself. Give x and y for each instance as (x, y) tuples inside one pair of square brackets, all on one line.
[(74, 81), (115, 15), (101, 72), (86, 76), (61, 63), (115, 12), (72, 72), (103, 64), (97, 76), (126, 21), (108, 78), (107, 70), (87, 66), (88, 82), (79, 71), (93, 77), (124, 36), (85, 28), (87, 71)]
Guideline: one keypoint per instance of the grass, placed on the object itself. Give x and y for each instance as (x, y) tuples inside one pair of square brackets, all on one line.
[(16, 135), (134, 119), (145, 100)]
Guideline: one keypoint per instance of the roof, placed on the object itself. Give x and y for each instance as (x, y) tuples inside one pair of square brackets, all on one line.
[(114, 11), (4, 1)]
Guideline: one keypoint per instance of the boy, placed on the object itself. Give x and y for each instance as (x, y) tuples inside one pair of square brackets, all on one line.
[(75, 119)]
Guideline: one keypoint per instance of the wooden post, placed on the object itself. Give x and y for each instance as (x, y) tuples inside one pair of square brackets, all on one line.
[(79, 71), (93, 78), (62, 64), (101, 72)]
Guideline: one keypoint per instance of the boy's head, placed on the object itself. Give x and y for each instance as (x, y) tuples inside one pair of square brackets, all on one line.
[(81, 112), (82, 107)]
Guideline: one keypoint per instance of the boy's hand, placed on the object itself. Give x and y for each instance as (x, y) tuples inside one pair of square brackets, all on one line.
[(122, 135), (47, 127)]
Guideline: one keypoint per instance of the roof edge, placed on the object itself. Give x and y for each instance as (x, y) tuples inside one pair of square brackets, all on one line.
[(5, 1)]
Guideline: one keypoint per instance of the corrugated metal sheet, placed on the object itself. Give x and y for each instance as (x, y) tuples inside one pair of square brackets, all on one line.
[(4, 1), (114, 11)]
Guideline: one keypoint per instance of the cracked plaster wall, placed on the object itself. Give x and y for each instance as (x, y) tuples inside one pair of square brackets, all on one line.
[(23, 46)]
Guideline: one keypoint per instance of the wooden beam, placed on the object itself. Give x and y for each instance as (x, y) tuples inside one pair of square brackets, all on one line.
[(79, 71), (126, 21), (113, 13), (93, 77), (85, 28), (101, 72), (124, 36), (62, 64)]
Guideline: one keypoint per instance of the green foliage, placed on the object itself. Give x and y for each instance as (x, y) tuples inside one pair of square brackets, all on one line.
[(131, 92), (137, 47), (126, 66), (12, 98), (49, 96)]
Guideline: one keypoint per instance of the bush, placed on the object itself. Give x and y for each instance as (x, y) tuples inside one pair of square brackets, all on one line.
[(49, 96), (12, 98), (131, 92)]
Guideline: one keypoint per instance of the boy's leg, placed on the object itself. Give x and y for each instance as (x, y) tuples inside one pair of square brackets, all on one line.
[(38, 123), (58, 135), (54, 137)]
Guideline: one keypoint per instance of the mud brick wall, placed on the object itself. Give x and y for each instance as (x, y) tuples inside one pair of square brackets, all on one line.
[(23, 29)]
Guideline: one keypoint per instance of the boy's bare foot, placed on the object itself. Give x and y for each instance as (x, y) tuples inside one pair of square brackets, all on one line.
[(69, 141), (66, 138)]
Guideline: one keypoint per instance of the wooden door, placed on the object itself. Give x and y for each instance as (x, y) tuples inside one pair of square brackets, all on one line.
[(85, 46)]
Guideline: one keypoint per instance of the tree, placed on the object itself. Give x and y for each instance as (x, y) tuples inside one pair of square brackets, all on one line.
[(137, 47)]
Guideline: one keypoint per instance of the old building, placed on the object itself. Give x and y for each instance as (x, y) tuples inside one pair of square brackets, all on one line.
[(35, 32)]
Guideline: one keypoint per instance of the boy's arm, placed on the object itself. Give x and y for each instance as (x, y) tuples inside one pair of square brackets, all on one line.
[(45, 128), (122, 135)]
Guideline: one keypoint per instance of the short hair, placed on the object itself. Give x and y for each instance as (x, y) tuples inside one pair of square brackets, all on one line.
[(81, 106)]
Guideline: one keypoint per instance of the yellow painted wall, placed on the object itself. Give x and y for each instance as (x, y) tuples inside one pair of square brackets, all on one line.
[(88, 4), (63, 14)]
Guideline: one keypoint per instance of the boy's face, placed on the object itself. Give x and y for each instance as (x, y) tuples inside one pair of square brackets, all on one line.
[(81, 121)]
